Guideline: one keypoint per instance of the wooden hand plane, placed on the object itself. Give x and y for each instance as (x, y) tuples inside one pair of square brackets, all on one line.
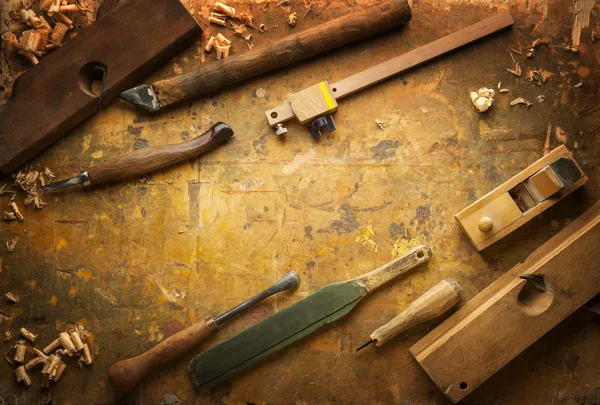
[(521, 198)]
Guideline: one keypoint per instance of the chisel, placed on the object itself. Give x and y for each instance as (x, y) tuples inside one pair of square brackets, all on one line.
[(291, 324), (437, 300), (125, 374), (148, 159)]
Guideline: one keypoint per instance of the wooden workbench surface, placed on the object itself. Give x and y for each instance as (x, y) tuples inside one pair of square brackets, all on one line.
[(138, 260)]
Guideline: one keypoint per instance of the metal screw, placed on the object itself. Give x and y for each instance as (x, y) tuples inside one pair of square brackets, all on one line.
[(280, 129)]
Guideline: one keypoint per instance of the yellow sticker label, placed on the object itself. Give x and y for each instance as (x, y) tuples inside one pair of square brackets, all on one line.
[(326, 95)]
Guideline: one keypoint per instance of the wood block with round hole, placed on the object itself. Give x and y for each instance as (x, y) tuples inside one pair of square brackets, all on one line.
[(512, 314), (64, 89)]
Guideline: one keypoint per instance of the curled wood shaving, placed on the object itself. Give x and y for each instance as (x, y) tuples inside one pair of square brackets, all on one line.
[(540, 98), (519, 52), (380, 124), (534, 45), (538, 77), (15, 208), (578, 85), (7, 336), (225, 9), (10, 297), (262, 28), (516, 70), (501, 89), (292, 19), (520, 100), (11, 245)]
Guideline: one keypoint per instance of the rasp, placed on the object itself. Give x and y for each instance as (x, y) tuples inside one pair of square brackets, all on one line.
[(291, 324)]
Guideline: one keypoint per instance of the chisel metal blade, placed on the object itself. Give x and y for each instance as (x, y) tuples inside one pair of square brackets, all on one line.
[(143, 96)]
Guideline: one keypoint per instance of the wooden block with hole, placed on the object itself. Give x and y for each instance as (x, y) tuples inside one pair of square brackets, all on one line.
[(521, 198), (512, 313), (313, 102)]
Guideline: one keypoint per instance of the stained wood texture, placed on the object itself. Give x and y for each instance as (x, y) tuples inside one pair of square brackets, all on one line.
[(511, 314), (125, 374), (315, 101), (149, 159), (404, 62), (295, 322), (501, 208), (435, 302), (127, 43), (358, 24)]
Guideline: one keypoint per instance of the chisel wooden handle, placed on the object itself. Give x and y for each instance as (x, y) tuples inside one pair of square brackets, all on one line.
[(440, 298), (148, 159), (357, 24), (125, 374)]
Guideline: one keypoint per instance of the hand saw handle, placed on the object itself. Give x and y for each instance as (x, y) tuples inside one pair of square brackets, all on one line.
[(125, 374), (437, 300), (149, 159), (393, 269)]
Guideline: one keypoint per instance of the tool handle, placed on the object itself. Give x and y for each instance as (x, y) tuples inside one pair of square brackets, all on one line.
[(148, 159), (437, 300), (125, 374), (337, 32), (393, 269)]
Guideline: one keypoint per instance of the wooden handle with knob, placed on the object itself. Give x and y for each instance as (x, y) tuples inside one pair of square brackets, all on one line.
[(125, 374), (149, 159), (439, 299)]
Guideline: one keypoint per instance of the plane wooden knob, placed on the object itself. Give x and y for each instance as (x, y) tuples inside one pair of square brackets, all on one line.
[(485, 224)]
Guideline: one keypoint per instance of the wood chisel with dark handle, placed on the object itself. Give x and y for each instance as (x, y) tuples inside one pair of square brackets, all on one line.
[(148, 159), (291, 324), (125, 374)]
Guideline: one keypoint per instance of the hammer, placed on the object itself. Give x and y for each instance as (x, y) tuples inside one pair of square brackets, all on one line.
[(125, 374)]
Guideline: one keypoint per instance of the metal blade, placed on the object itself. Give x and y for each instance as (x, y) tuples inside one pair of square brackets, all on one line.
[(287, 326), (73, 181), (370, 342), (142, 96)]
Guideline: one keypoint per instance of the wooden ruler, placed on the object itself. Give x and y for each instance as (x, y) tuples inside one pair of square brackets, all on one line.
[(402, 63)]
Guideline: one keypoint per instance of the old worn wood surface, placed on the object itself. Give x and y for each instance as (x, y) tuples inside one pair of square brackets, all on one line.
[(137, 261)]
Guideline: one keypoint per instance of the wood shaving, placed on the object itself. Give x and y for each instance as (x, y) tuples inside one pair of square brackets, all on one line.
[(482, 99), (10, 216), (520, 100), (578, 85), (15, 208), (308, 7), (534, 45), (292, 19), (225, 9), (519, 52), (540, 98), (380, 124), (571, 48), (282, 3), (516, 70), (538, 77), (217, 18), (262, 28), (11, 245), (10, 297), (501, 89), (246, 19), (7, 336)]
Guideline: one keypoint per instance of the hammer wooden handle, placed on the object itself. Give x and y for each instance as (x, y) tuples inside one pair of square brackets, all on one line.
[(440, 298), (125, 374), (148, 159), (357, 24)]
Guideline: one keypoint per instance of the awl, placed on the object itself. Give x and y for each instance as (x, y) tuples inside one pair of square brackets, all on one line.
[(437, 300), (125, 374), (148, 159), (291, 324)]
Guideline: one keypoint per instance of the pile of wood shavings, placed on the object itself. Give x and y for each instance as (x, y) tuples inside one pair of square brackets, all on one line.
[(31, 182), (49, 26)]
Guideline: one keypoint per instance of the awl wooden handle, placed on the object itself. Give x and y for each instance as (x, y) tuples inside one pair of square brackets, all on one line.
[(357, 24), (125, 374), (146, 160), (440, 298)]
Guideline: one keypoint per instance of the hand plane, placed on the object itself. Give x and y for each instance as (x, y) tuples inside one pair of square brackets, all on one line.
[(521, 198)]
